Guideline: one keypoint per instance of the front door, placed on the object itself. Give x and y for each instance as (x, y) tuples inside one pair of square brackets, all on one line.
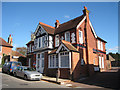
[(40, 62)]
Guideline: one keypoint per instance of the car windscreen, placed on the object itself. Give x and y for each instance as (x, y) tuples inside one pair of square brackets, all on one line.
[(16, 64), (29, 69)]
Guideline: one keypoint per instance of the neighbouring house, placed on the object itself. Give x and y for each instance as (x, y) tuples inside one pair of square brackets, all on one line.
[(31, 57), (71, 49), (5, 49), (114, 59)]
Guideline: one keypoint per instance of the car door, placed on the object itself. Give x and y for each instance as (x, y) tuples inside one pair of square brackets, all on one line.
[(18, 71), (21, 72)]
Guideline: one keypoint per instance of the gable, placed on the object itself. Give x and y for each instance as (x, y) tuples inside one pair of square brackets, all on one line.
[(39, 31), (61, 48)]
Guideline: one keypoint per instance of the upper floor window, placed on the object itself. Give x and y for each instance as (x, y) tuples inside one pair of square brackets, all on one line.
[(57, 40), (80, 37), (67, 36), (0, 48), (100, 45)]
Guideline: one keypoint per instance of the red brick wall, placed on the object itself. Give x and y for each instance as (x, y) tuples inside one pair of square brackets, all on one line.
[(6, 50)]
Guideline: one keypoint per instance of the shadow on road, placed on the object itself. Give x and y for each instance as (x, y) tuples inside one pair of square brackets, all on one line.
[(105, 79)]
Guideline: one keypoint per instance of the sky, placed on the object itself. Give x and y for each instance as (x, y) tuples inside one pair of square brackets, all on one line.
[(22, 18)]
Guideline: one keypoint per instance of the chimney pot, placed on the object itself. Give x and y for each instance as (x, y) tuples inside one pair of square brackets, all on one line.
[(57, 24)]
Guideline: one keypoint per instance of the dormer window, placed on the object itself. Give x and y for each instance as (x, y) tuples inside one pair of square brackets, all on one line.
[(56, 40), (67, 36), (80, 37)]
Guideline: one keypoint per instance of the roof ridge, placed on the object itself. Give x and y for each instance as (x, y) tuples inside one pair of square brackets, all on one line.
[(46, 25), (72, 19)]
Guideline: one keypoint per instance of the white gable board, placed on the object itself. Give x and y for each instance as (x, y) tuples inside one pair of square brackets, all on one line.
[(60, 47), (39, 31)]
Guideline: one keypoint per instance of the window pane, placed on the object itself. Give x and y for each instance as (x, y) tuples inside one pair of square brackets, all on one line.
[(57, 40), (38, 55), (65, 61), (56, 60), (67, 36)]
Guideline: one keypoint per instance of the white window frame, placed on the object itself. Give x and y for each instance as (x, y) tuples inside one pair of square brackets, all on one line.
[(42, 59), (69, 55), (102, 62), (42, 41), (80, 37), (29, 62), (56, 40), (99, 44), (67, 39), (54, 66)]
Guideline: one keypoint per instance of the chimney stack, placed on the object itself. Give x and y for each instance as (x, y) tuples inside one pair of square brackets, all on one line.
[(85, 11), (57, 24), (10, 40)]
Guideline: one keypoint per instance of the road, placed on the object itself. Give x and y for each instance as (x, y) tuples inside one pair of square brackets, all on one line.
[(9, 81)]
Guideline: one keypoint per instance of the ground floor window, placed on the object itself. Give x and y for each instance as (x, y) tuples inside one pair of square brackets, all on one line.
[(53, 61), (61, 59), (64, 59), (101, 62)]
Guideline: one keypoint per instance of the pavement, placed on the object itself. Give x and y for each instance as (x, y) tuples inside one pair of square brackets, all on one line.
[(108, 80)]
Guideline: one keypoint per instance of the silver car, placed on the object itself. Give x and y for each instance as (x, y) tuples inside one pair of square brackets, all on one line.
[(27, 73)]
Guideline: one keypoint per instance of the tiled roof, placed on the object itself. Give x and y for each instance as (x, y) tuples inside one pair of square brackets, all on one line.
[(101, 39), (53, 51), (69, 45), (15, 53), (47, 28), (69, 25), (4, 43), (30, 42)]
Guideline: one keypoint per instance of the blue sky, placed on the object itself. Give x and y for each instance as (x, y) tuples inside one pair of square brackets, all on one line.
[(22, 18)]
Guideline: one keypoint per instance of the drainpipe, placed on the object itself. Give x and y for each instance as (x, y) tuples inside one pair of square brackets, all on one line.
[(86, 12)]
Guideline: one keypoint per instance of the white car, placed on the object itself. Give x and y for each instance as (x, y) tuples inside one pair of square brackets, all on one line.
[(27, 73)]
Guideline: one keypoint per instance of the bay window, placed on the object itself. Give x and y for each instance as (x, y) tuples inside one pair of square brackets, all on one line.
[(64, 62), (53, 61)]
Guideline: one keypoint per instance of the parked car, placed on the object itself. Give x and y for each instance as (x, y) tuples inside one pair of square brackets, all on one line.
[(8, 67), (27, 73)]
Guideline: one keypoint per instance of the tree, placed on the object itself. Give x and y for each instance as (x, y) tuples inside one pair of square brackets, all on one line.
[(22, 50)]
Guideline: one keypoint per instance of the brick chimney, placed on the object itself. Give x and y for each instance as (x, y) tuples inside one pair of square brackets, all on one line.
[(85, 11), (10, 40), (57, 24)]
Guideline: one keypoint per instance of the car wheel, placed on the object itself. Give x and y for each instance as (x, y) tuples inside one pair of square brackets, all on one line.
[(3, 71), (15, 74), (25, 77), (8, 72)]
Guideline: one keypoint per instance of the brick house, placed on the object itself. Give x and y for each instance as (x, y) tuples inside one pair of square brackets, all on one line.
[(71, 49), (5, 49)]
